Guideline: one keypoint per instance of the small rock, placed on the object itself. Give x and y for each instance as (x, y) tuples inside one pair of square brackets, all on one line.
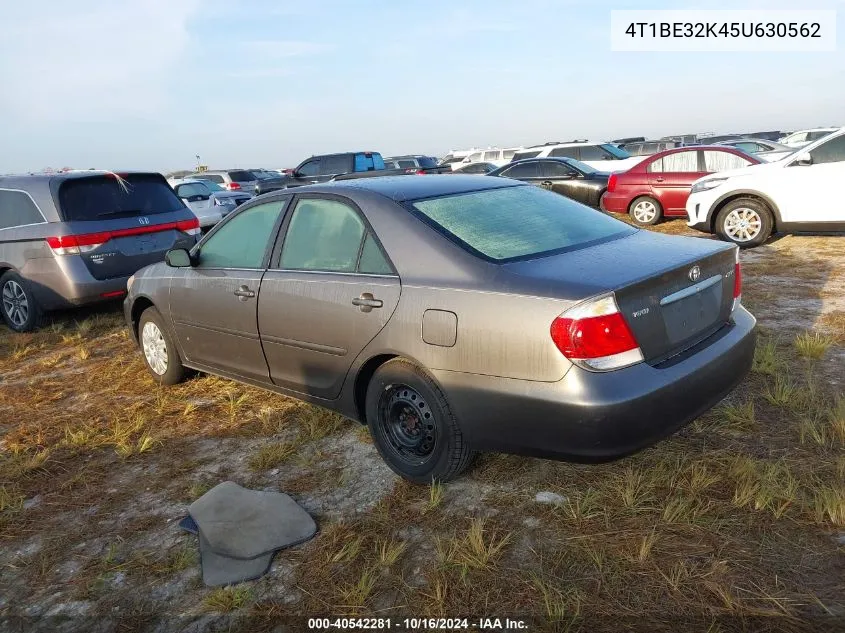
[(32, 503), (550, 497), (531, 522), (840, 538)]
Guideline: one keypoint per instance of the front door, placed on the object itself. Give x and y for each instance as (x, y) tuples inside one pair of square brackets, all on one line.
[(805, 193), (565, 180), (671, 177), (213, 304), (330, 292)]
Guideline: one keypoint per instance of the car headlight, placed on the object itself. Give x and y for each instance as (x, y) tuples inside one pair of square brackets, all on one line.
[(129, 282), (707, 185)]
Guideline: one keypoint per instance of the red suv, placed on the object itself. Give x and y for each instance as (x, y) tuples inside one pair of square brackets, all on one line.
[(659, 186)]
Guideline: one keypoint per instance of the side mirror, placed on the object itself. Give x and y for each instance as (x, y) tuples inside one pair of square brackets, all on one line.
[(803, 160), (178, 258)]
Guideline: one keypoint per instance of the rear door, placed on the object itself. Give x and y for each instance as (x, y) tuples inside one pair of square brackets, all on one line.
[(805, 193), (119, 224), (213, 304), (671, 177), (329, 291)]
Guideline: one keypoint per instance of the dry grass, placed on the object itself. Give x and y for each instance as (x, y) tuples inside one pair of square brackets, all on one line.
[(812, 345), (228, 599)]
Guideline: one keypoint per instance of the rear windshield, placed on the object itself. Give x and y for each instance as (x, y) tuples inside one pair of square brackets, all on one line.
[(524, 155), (106, 197), (427, 161), (368, 161), (211, 186), (242, 176), (517, 222)]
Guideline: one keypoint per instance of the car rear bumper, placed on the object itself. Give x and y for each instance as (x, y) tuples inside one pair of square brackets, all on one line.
[(593, 417), (65, 282), (614, 202)]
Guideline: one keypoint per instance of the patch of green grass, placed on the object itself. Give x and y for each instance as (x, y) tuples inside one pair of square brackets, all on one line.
[(389, 551), (476, 549), (782, 392), (812, 345), (10, 499), (355, 594), (435, 496), (767, 358), (228, 599), (271, 455), (737, 416), (762, 485)]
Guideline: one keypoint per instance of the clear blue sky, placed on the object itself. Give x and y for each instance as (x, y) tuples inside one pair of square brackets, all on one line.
[(150, 83)]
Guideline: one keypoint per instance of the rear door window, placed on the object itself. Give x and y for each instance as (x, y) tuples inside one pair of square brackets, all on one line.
[(493, 155), (108, 197), (18, 209), (833, 151), (242, 176), (323, 235), (523, 170), (680, 162), (565, 152), (333, 165)]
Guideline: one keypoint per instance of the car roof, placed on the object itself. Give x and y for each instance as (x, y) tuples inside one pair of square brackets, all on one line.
[(39, 178), (413, 187), (569, 144)]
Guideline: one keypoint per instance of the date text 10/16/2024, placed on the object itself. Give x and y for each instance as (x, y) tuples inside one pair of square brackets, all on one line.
[(418, 624)]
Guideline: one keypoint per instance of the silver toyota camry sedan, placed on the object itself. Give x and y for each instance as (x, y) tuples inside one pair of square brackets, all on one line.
[(454, 314)]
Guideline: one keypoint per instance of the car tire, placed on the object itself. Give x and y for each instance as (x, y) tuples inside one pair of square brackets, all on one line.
[(20, 309), (413, 426), (158, 349), (747, 222), (645, 211)]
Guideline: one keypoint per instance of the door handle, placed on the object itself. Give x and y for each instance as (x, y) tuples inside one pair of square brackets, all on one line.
[(366, 302), (243, 293), (658, 179), (546, 184)]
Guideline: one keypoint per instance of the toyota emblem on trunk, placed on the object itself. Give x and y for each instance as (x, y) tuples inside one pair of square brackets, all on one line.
[(694, 273), (143, 220)]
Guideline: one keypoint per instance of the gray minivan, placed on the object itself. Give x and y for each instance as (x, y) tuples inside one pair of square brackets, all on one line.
[(74, 238)]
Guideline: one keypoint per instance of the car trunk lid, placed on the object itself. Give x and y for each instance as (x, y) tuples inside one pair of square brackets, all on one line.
[(673, 292)]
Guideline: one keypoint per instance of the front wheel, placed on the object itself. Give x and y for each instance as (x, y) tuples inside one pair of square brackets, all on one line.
[(160, 354), (745, 221), (412, 425)]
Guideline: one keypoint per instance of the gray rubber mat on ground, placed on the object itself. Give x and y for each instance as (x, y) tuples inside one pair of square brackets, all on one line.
[(244, 524), (218, 571)]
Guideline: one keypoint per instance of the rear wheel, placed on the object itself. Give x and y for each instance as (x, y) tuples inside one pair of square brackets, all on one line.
[(746, 222), (646, 211), (412, 425), (21, 311), (160, 353)]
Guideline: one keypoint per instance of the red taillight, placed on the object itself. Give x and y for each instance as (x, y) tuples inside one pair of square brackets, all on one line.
[(418, 172), (75, 244), (611, 183), (737, 281), (233, 186), (595, 336), (112, 295)]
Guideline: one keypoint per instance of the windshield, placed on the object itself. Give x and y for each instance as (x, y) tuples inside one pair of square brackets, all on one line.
[(616, 151), (517, 222), (104, 196), (242, 176), (211, 186)]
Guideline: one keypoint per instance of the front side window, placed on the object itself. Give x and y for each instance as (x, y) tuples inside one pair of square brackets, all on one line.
[(18, 209), (833, 151), (323, 235), (720, 161), (482, 222), (243, 240), (556, 169), (311, 168)]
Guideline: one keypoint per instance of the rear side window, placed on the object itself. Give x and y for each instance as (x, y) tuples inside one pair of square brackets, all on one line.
[(368, 161), (494, 155), (242, 176), (107, 197), (18, 209), (484, 223)]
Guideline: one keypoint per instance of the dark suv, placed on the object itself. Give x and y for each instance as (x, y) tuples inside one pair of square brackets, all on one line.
[(74, 238)]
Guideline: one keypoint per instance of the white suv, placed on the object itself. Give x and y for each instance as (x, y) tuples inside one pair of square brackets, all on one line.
[(494, 155), (601, 156), (795, 194)]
